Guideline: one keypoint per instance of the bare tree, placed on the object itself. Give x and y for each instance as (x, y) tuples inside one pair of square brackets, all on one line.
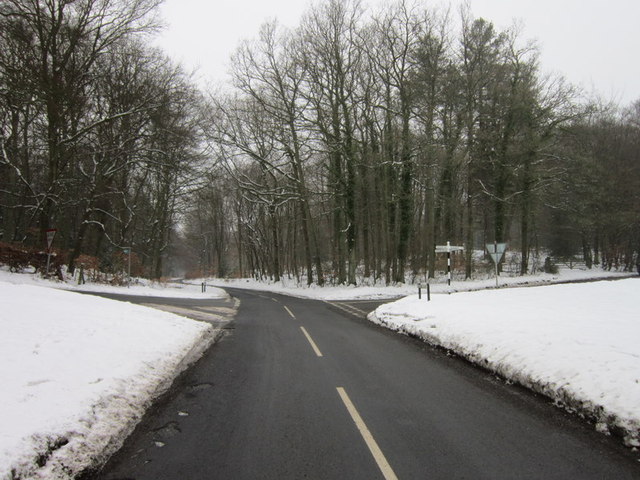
[(268, 72), (63, 41), (332, 54), (397, 32)]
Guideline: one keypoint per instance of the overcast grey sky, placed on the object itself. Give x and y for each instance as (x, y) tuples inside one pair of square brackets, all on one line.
[(593, 43)]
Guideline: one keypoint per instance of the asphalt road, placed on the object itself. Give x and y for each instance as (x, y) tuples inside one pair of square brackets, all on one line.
[(217, 311), (306, 389)]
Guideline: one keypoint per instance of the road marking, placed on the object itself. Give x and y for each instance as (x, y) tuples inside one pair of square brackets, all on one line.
[(313, 344), (350, 309), (379, 457), (289, 312), (205, 314)]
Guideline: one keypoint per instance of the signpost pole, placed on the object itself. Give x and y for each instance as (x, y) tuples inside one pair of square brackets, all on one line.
[(48, 262), (448, 248), (127, 251), (51, 233), (449, 263), (495, 249)]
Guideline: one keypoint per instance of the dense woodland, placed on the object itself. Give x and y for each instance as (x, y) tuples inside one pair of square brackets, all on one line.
[(341, 151)]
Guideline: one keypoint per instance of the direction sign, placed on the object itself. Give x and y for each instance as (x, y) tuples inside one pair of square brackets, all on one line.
[(51, 233), (496, 250), (448, 248)]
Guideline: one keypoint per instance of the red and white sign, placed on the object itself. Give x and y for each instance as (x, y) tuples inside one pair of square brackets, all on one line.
[(51, 233)]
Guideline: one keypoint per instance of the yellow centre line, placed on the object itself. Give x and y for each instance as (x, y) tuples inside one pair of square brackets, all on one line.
[(379, 457), (289, 312), (313, 344)]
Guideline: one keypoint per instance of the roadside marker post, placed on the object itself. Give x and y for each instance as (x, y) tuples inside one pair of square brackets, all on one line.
[(428, 291)]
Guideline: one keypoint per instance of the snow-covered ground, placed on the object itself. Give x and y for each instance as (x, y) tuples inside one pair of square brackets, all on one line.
[(363, 292), (142, 288), (577, 344), (78, 372)]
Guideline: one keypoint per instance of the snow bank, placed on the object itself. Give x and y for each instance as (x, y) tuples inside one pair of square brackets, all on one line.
[(577, 344), (77, 374), (171, 290), (145, 288), (328, 292), (368, 292)]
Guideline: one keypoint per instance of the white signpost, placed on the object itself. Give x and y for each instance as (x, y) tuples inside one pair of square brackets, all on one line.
[(496, 250), (448, 248)]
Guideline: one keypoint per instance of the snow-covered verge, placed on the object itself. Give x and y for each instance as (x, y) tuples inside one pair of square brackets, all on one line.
[(366, 292), (141, 288), (577, 344), (77, 374)]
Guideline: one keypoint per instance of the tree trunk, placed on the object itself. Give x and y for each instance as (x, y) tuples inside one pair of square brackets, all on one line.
[(276, 243)]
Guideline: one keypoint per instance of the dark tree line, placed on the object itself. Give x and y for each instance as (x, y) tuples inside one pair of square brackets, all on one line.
[(596, 202), (357, 142), (99, 133), (343, 150)]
